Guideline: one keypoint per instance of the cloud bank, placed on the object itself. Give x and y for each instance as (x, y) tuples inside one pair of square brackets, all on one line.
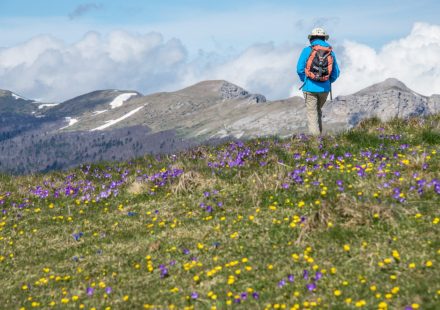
[(413, 59), (50, 69)]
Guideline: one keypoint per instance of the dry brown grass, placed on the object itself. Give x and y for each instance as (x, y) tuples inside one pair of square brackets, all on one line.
[(191, 181), (347, 213), (137, 188)]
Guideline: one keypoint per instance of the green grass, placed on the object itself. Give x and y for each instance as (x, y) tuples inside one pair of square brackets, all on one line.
[(370, 244)]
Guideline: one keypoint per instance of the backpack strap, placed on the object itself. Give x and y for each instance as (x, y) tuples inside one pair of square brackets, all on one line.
[(309, 63)]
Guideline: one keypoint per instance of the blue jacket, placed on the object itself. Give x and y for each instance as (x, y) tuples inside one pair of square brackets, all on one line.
[(310, 85)]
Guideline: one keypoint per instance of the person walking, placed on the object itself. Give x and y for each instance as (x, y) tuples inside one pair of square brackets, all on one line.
[(317, 69)]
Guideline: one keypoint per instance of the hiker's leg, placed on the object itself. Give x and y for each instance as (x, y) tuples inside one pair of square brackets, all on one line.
[(312, 112), (322, 98)]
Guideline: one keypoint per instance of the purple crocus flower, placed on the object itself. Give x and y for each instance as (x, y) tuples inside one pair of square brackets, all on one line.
[(318, 275), (291, 277), (108, 289), (163, 271), (437, 188), (77, 236), (282, 283), (90, 291), (255, 295), (194, 295), (361, 172), (305, 274), (311, 286)]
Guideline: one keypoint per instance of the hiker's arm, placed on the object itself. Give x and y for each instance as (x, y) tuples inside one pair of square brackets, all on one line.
[(301, 66), (335, 72)]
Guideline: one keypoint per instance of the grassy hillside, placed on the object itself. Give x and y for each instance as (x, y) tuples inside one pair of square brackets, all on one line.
[(339, 222)]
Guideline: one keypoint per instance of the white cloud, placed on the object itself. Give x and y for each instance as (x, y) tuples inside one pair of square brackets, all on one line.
[(262, 68), (413, 59), (27, 53), (53, 70)]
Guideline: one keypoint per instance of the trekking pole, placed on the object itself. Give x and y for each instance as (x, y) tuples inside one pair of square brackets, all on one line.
[(331, 93)]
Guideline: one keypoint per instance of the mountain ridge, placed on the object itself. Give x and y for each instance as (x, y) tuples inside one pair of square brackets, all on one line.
[(93, 125), (386, 85)]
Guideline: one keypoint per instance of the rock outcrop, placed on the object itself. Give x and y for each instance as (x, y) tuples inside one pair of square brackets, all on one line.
[(230, 91), (385, 100)]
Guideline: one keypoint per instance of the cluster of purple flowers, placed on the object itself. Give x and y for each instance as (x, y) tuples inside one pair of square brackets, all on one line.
[(235, 155), (77, 236), (296, 175), (283, 282), (311, 286), (244, 296), (213, 201), (390, 137), (110, 181)]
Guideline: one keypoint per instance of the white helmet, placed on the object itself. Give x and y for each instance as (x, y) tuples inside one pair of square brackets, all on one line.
[(319, 32)]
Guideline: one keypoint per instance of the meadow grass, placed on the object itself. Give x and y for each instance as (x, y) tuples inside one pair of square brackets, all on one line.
[(338, 222)]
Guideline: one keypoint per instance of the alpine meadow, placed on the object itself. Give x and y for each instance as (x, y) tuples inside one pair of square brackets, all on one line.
[(219, 155), (336, 222)]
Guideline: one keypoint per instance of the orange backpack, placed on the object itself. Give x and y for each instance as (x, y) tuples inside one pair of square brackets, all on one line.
[(319, 65)]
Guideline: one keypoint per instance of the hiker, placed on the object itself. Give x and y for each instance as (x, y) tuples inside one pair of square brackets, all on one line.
[(317, 68)]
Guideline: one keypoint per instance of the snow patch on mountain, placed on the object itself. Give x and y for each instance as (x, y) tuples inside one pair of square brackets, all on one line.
[(41, 106), (113, 122), (16, 97), (72, 121), (99, 112), (119, 100)]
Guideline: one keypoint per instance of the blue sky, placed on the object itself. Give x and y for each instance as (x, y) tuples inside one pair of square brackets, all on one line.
[(212, 24), (56, 49)]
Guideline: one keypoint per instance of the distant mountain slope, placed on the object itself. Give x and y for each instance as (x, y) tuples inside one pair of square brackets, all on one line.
[(39, 136), (39, 152), (13, 103), (203, 109), (96, 101)]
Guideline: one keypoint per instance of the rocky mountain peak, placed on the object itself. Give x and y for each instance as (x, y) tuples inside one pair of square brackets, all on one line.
[(231, 91), (223, 89), (209, 86), (388, 84)]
